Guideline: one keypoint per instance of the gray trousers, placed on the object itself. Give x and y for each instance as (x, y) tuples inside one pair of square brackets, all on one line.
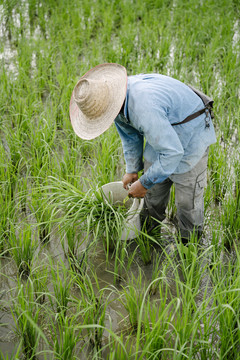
[(189, 199)]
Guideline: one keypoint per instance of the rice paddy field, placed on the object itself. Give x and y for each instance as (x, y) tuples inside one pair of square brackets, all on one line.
[(70, 286)]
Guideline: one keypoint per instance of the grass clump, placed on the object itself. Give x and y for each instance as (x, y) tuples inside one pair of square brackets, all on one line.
[(23, 247), (92, 211), (26, 315), (132, 298)]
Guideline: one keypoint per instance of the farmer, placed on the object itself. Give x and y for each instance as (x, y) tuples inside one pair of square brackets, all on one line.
[(146, 110)]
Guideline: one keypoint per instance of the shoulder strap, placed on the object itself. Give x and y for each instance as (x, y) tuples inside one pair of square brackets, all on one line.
[(208, 102), (191, 117)]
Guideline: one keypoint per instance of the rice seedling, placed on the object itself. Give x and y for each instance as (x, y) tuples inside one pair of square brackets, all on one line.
[(120, 255), (192, 268), (106, 167), (42, 137), (23, 247), (65, 338), (144, 244), (15, 158), (7, 205), (4, 227), (22, 195), (218, 174), (25, 314), (40, 209), (132, 298), (94, 306), (158, 272), (39, 278), (73, 240), (62, 281), (230, 211), (69, 160), (156, 328), (117, 351), (226, 299), (90, 211)]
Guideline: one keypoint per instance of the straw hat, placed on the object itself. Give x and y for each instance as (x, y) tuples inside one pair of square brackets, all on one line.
[(97, 99)]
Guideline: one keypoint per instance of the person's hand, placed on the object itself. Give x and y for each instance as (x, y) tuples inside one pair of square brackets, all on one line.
[(129, 179), (137, 190)]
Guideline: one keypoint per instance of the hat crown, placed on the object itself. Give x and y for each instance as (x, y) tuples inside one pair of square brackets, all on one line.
[(92, 97)]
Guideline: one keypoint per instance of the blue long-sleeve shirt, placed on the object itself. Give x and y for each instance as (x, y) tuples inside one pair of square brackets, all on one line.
[(154, 102)]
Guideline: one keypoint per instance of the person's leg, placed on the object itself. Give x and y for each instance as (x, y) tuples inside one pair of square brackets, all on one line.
[(155, 201), (189, 199)]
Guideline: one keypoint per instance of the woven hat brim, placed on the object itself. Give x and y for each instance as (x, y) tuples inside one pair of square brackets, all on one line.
[(116, 77)]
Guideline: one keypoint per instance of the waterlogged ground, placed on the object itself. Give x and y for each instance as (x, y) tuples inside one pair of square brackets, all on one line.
[(101, 272), (116, 314), (150, 298), (104, 275)]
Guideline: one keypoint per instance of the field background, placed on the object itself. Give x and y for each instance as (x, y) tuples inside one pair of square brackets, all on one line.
[(146, 299)]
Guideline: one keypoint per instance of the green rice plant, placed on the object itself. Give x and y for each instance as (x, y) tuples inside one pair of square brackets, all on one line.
[(25, 315), (23, 247), (90, 211), (73, 240), (157, 328), (40, 209), (194, 322), (226, 299), (141, 352), (62, 280), (120, 255), (42, 137), (4, 225), (112, 227), (22, 195), (124, 256), (14, 155), (70, 159), (131, 298), (174, 331), (186, 274), (218, 174), (39, 278), (158, 272), (79, 263), (148, 237), (192, 269), (230, 217), (117, 351), (65, 338), (7, 199), (144, 244), (106, 167), (94, 306), (171, 207)]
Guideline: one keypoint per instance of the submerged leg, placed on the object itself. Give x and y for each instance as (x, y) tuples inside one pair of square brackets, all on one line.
[(155, 201)]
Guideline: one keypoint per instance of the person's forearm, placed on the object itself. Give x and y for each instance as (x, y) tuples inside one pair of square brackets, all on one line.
[(132, 142)]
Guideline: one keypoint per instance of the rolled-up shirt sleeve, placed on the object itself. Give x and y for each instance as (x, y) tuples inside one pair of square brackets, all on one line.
[(132, 142)]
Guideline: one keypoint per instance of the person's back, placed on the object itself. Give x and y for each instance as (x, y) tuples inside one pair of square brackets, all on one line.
[(154, 102)]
